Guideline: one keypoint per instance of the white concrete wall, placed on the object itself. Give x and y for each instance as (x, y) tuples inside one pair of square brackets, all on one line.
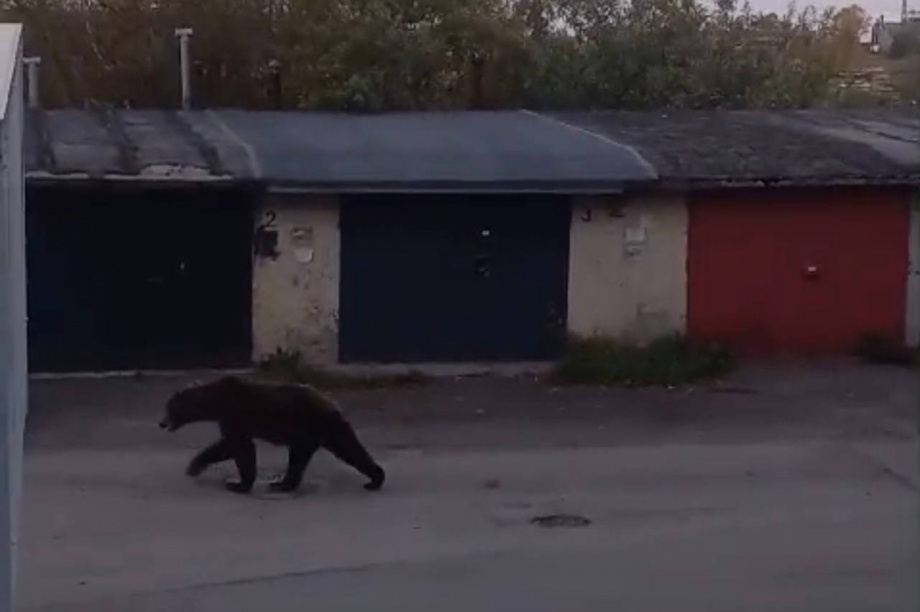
[(628, 266), (13, 364), (913, 280), (296, 290)]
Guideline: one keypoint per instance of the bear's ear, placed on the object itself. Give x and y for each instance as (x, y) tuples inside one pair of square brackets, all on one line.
[(190, 386)]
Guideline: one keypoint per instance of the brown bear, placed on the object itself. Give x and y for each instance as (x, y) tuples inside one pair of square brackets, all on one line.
[(296, 416)]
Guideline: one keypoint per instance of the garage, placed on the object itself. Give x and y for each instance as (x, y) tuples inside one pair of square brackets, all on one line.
[(798, 271), (428, 278), (418, 238), (131, 278)]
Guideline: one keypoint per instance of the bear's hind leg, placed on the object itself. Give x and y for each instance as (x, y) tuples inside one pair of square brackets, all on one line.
[(244, 455), (299, 455), (342, 442)]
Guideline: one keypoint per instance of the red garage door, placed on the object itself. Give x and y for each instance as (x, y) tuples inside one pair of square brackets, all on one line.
[(797, 271)]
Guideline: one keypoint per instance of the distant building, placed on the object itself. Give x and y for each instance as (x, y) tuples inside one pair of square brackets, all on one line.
[(893, 39)]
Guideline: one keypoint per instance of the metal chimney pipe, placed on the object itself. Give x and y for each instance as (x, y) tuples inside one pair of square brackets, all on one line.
[(183, 34), (32, 64), (274, 68)]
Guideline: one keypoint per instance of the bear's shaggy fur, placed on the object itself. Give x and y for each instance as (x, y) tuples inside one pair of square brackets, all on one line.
[(296, 416)]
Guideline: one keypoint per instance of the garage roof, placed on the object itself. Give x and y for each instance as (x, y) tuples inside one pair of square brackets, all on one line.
[(459, 151), (439, 150), (722, 148), (152, 145), (467, 151), (894, 135)]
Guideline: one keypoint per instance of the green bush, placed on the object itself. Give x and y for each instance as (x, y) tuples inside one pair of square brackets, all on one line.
[(667, 361)]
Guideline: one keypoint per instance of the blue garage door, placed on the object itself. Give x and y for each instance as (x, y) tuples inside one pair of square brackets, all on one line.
[(131, 278), (453, 278)]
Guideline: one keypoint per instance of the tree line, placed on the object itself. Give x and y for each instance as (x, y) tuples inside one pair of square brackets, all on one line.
[(371, 55)]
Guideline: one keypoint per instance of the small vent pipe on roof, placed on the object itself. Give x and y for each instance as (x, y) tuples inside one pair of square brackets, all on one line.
[(183, 34), (32, 64)]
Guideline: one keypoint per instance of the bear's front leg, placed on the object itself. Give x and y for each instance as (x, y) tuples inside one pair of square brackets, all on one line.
[(244, 455), (217, 452)]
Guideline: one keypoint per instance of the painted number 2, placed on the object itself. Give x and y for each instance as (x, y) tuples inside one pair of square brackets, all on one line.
[(268, 219)]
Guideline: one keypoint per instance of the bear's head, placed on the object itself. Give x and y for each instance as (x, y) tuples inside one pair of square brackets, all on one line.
[(199, 402)]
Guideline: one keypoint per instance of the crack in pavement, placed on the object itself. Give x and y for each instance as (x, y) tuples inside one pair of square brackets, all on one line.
[(882, 467)]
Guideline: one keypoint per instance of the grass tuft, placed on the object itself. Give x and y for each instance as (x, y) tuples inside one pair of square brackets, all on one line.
[(668, 361), (289, 366), (879, 349)]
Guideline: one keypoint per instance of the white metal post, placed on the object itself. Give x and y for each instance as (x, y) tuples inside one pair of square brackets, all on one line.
[(13, 349)]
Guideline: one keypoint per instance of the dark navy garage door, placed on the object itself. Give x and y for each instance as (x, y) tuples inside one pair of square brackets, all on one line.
[(453, 278), (123, 278)]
